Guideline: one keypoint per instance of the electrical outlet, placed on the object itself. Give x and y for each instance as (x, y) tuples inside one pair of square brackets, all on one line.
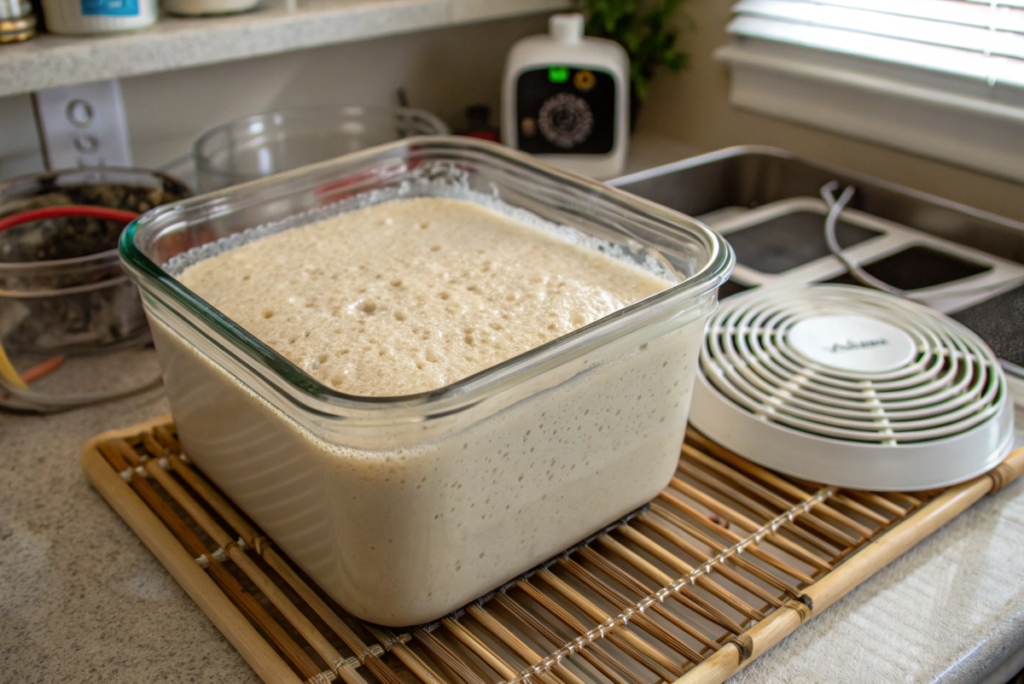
[(83, 125)]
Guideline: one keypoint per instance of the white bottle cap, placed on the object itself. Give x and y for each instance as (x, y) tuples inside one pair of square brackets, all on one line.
[(566, 28)]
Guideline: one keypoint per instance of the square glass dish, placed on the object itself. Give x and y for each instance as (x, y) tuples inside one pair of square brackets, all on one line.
[(406, 508)]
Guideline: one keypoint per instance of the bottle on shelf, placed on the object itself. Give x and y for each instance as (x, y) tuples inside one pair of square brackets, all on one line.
[(77, 17), (17, 21)]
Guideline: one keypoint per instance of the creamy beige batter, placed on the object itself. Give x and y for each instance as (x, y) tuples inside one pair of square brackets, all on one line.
[(414, 294)]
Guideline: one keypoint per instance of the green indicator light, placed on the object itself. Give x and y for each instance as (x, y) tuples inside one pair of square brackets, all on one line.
[(558, 74)]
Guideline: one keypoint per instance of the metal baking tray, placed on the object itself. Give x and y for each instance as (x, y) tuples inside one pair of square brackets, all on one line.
[(749, 176), (739, 188)]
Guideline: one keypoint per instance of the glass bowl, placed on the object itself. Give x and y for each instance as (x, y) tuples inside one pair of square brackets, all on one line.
[(266, 144), (62, 289)]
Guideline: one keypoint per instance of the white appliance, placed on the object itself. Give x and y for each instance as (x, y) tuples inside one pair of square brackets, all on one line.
[(566, 99), (851, 387)]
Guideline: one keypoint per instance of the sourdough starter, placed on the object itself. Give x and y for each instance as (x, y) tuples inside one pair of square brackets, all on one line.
[(412, 295), (408, 296)]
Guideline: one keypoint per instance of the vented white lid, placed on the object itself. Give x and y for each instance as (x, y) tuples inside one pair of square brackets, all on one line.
[(851, 387)]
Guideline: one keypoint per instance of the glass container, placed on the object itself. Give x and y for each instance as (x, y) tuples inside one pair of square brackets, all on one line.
[(62, 289), (405, 508)]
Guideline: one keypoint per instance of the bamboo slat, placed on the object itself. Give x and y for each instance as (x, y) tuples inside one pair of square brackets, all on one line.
[(832, 587), (727, 561), (771, 479), (685, 596), (534, 623), (218, 606)]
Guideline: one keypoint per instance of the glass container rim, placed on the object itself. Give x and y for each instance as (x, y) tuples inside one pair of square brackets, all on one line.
[(96, 258), (166, 180), (149, 276), (202, 159)]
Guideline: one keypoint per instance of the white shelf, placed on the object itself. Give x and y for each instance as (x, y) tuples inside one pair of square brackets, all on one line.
[(277, 26)]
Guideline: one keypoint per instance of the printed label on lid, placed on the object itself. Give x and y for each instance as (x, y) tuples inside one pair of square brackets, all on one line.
[(852, 343), (110, 8)]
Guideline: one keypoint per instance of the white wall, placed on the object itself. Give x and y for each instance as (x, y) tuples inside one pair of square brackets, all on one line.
[(694, 109), (442, 70), (19, 141)]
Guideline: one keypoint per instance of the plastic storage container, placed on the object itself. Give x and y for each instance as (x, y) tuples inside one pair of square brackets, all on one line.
[(76, 17), (406, 508)]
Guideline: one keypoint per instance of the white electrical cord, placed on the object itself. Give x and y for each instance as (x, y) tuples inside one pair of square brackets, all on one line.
[(835, 207)]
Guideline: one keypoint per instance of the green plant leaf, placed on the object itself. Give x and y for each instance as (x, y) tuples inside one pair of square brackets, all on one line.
[(640, 27)]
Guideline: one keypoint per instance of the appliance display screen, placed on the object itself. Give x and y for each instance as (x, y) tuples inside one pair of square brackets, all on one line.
[(565, 110)]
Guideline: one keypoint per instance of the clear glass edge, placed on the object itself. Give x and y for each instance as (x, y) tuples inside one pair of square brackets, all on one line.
[(202, 160), (307, 393)]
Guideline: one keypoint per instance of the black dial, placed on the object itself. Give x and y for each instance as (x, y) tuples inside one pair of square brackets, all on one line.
[(566, 110), (565, 120)]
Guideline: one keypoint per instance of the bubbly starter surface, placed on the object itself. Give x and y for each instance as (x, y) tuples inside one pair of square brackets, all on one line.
[(414, 294)]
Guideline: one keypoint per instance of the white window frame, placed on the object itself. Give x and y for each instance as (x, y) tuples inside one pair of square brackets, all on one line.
[(958, 119)]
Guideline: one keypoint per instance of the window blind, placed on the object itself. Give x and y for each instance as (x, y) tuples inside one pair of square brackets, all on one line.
[(973, 39)]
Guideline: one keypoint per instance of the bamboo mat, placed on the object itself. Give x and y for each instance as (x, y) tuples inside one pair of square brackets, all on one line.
[(720, 567)]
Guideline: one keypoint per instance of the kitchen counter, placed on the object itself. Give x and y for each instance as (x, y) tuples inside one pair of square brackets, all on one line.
[(82, 598)]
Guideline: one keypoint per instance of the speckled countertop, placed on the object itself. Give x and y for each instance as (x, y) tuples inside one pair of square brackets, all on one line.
[(82, 599)]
